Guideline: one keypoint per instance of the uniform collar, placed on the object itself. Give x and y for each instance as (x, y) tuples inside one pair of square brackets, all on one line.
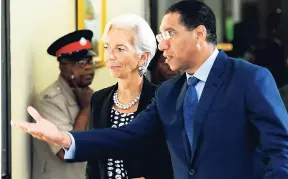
[(67, 91)]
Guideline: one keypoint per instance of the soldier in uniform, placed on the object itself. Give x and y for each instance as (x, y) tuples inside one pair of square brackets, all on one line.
[(66, 103)]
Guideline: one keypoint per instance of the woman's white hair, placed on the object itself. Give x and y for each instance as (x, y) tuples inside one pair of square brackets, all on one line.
[(144, 38)]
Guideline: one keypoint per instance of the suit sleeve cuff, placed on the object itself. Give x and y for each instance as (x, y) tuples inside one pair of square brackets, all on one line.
[(70, 153)]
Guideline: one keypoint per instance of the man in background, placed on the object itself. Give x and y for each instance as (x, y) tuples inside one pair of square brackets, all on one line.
[(270, 51), (160, 70), (66, 103)]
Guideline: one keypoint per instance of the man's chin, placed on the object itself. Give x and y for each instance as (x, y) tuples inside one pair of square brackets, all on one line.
[(88, 84), (174, 68), (85, 85)]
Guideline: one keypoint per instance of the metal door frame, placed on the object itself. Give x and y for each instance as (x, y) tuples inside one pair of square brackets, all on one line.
[(5, 91)]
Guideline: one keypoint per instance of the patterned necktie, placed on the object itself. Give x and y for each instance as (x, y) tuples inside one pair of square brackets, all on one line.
[(189, 108)]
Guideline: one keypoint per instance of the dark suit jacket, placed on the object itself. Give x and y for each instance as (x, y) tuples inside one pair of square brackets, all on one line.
[(151, 159), (240, 119)]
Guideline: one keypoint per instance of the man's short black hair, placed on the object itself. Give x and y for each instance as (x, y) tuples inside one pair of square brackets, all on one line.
[(195, 13)]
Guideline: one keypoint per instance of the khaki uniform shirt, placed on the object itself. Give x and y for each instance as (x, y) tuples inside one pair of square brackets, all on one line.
[(57, 104)]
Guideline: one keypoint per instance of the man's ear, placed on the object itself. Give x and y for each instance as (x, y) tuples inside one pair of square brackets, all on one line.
[(65, 71), (61, 67), (201, 33)]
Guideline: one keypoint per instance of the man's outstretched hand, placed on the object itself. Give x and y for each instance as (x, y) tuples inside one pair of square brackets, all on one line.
[(43, 129)]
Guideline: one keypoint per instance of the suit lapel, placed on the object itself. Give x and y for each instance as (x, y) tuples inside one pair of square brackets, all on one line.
[(179, 110), (106, 109), (214, 82), (182, 82)]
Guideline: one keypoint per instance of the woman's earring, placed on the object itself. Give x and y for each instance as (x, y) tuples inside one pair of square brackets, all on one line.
[(198, 46), (141, 73), (72, 77)]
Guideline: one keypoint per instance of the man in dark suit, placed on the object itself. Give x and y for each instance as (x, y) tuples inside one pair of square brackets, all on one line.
[(221, 119)]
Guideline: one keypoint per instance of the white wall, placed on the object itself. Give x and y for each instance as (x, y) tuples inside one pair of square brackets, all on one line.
[(34, 25), (115, 7)]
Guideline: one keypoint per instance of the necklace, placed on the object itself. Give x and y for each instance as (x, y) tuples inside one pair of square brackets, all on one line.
[(124, 106)]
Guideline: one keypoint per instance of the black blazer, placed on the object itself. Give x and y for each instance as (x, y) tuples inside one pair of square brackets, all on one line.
[(150, 160)]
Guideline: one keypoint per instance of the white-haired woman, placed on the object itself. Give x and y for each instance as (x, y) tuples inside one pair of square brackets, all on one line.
[(129, 46)]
